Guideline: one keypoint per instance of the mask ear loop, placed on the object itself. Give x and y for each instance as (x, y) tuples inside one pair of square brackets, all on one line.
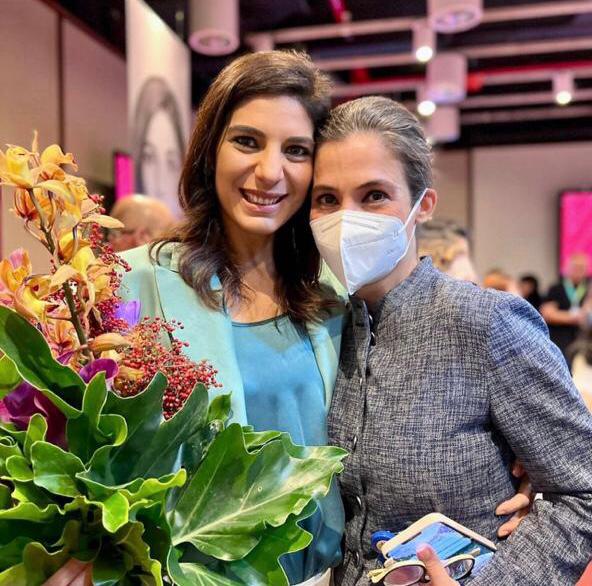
[(413, 210)]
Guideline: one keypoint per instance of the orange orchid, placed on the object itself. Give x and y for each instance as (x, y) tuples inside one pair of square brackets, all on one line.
[(58, 210), (14, 167), (14, 270), (25, 208), (29, 298), (53, 154), (61, 335)]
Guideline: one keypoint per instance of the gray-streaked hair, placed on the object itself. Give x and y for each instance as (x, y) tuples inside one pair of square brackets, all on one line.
[(400, 130)]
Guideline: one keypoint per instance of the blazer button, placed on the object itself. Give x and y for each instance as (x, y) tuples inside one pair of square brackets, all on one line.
[(356, 558), (359, 501), (372, 339), (354, 442)]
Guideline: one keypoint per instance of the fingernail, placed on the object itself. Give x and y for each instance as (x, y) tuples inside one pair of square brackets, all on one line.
[(503, 533), (424, 550)]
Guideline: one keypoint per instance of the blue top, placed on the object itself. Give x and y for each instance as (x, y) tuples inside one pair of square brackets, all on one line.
[(284, 391)]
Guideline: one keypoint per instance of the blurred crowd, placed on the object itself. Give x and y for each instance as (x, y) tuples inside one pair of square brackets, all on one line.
[(566, 306)]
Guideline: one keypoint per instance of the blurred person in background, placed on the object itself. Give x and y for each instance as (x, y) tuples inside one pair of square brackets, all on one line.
[(580, 353), (447, 244), (500, 281), (528, 285), (563, 308), (145, 219)]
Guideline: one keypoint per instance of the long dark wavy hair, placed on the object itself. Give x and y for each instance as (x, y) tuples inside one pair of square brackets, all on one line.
[(205, 251)]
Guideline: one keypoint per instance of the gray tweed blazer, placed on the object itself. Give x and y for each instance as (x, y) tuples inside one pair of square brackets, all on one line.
[(435, 400)]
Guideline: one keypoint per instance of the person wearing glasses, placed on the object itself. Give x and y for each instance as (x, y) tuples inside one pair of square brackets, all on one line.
[(441, 385)]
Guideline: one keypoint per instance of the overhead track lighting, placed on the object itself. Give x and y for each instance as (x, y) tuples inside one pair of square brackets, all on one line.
[(453, 16), (443, 125), (425, 106), (563, 87), (424, 41), (214, 26), (446, 78)]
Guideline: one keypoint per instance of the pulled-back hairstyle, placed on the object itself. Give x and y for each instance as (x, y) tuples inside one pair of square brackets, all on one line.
[(205, 250), (400, 130)]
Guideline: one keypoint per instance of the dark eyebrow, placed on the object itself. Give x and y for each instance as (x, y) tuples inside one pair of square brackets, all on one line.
[(248, 129), (317, 188), (251, 130)]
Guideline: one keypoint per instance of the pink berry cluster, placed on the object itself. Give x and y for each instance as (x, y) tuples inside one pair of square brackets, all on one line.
[(150, 353)]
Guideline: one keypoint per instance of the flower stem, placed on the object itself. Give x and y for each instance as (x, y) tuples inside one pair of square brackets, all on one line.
[(75, 319)]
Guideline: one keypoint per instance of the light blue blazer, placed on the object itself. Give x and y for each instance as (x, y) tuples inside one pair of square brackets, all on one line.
[(163, 293)]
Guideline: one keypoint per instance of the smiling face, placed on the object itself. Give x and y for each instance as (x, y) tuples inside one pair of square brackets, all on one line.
[(264, 165)]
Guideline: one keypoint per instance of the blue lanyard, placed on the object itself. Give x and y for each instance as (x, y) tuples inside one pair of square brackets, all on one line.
[(574, 294)]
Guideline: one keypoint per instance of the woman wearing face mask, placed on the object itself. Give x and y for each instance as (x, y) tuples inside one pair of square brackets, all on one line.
[(440, 384)]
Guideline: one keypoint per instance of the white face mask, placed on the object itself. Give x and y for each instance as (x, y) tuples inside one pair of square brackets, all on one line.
[(361, 247)]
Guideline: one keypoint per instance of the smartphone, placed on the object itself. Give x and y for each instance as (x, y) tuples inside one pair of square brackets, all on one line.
[(450, 540)]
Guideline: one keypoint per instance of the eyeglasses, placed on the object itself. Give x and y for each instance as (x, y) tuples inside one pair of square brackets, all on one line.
[(409, 572)]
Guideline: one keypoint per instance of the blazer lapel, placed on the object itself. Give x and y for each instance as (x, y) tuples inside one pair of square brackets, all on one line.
[(325, 338), (208, 332)]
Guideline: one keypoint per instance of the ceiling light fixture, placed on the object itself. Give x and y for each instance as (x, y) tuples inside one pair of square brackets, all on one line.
[(444, 125), (424, 41), (453, 16), (446, 78), (425, 106), (214, 26), (563, 87)]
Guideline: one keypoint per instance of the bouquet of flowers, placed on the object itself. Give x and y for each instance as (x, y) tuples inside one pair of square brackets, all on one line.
[(110, 448)]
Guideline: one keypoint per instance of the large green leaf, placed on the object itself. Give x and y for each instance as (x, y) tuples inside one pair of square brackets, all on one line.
[(130, 540), (235, 494), (192, 574), (54, 469), (152, 488), (257, 439), (114, 510), (9, 376), (18, 468), (5, 496), (10, 430), (15, 576), (29, 352), (262, 566), (11, 553), (91, 430), (42, 561), (29, 512), (29, 492), (36, 431), (154, 447), (219, 409)]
